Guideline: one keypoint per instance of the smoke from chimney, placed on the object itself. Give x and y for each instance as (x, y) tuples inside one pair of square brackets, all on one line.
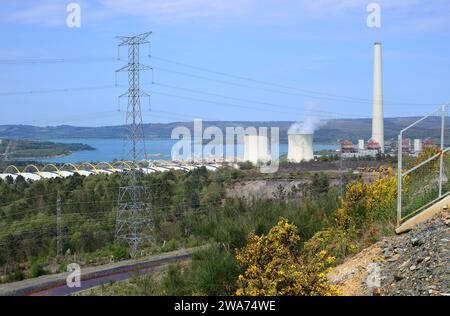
[(309, 125)]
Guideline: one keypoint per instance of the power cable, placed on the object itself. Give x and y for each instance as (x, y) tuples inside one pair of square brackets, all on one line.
[(56, 90), (274, 84)]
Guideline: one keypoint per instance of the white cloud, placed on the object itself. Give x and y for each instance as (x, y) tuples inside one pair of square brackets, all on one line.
[(48, 13), (232, 12)]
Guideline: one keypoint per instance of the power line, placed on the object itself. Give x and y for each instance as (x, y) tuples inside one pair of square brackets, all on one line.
[(236, 105), (221, 73), (310, 93), (18, 61), (74, 217), (255, 87), (53, 194), (56, 90), (305, 92), (247, 100)]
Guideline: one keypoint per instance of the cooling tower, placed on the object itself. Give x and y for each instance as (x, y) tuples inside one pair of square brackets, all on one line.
[(256, 148), (300, 147), (377, 118)]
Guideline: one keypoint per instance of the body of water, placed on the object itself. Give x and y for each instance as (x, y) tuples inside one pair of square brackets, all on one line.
[(110, 149)]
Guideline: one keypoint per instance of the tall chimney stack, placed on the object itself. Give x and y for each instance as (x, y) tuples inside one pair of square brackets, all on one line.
[(377, 118)]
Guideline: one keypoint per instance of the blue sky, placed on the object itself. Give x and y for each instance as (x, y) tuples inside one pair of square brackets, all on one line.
[(320, 46)]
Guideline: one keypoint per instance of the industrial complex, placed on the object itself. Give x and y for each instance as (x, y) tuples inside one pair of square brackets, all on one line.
[(255, 147)]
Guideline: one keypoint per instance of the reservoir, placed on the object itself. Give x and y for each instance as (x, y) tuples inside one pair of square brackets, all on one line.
[(110, 149)]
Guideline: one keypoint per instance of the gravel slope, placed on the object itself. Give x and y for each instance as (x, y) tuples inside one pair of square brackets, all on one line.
[(415, 263)]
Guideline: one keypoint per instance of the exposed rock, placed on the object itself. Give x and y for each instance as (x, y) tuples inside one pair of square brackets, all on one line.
[(415, 263), (424, 256)]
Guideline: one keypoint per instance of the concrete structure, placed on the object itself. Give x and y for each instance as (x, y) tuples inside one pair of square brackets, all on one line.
[(425, 213), (3, 176), (300, 147), (347, 146), (256, 148), (56, 284), (361, 153), (361, 144), (99, 168), (406, 147), (373, 145), (377, 118), (418, 146), (428, 143), (49, 175)]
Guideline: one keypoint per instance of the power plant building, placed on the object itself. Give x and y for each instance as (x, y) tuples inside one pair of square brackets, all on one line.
[(418, 146), (361, 144), (300, 147)]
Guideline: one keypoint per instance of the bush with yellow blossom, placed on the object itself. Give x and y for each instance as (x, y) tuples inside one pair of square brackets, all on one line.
[(364, 208), (365, 203), (272, 265)]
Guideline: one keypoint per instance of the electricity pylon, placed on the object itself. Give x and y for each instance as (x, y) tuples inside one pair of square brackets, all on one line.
[(134, 221)]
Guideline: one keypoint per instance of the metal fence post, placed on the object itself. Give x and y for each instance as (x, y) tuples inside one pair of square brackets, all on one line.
[(441, 158), (399, 178)]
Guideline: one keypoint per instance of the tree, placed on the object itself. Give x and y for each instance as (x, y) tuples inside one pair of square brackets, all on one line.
[(320, 184), (272, 266)]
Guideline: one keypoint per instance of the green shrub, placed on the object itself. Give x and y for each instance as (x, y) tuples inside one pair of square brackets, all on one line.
[(17, 275), (119, 252), (37, 269), (176, 281), (214, 271), (145, 285), (171, 245)]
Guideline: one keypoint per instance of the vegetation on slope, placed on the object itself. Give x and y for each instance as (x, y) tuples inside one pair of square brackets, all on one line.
[(25, 149), (191, 209)]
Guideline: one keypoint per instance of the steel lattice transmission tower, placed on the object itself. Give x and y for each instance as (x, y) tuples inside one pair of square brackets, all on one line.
[(134, 221)]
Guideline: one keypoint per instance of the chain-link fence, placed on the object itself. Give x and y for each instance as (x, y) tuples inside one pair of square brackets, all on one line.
[(423, 163)]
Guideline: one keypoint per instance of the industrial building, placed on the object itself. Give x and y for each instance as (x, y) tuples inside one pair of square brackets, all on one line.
[(34, 173), (300, 147), (349, 150), (256, 149)]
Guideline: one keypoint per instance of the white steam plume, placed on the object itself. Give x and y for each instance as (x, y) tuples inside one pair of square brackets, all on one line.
[(309, 125)]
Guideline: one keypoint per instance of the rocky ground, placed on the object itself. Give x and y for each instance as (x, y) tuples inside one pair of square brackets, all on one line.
[(415, 263)]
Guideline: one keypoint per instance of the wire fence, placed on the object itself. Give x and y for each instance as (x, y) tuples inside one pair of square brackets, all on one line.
[(423, 163)]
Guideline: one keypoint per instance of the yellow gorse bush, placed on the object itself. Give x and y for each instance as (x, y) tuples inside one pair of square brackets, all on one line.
[(366, 202), (271, 266), (363, 204)]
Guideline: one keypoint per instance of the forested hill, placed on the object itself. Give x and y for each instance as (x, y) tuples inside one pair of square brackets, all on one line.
[(329, 133)]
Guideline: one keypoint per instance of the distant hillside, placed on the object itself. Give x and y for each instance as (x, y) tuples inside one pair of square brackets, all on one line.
[(332, 131)]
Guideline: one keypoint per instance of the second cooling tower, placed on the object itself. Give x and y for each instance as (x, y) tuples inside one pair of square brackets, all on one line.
[(256, 149), (300, 147)]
